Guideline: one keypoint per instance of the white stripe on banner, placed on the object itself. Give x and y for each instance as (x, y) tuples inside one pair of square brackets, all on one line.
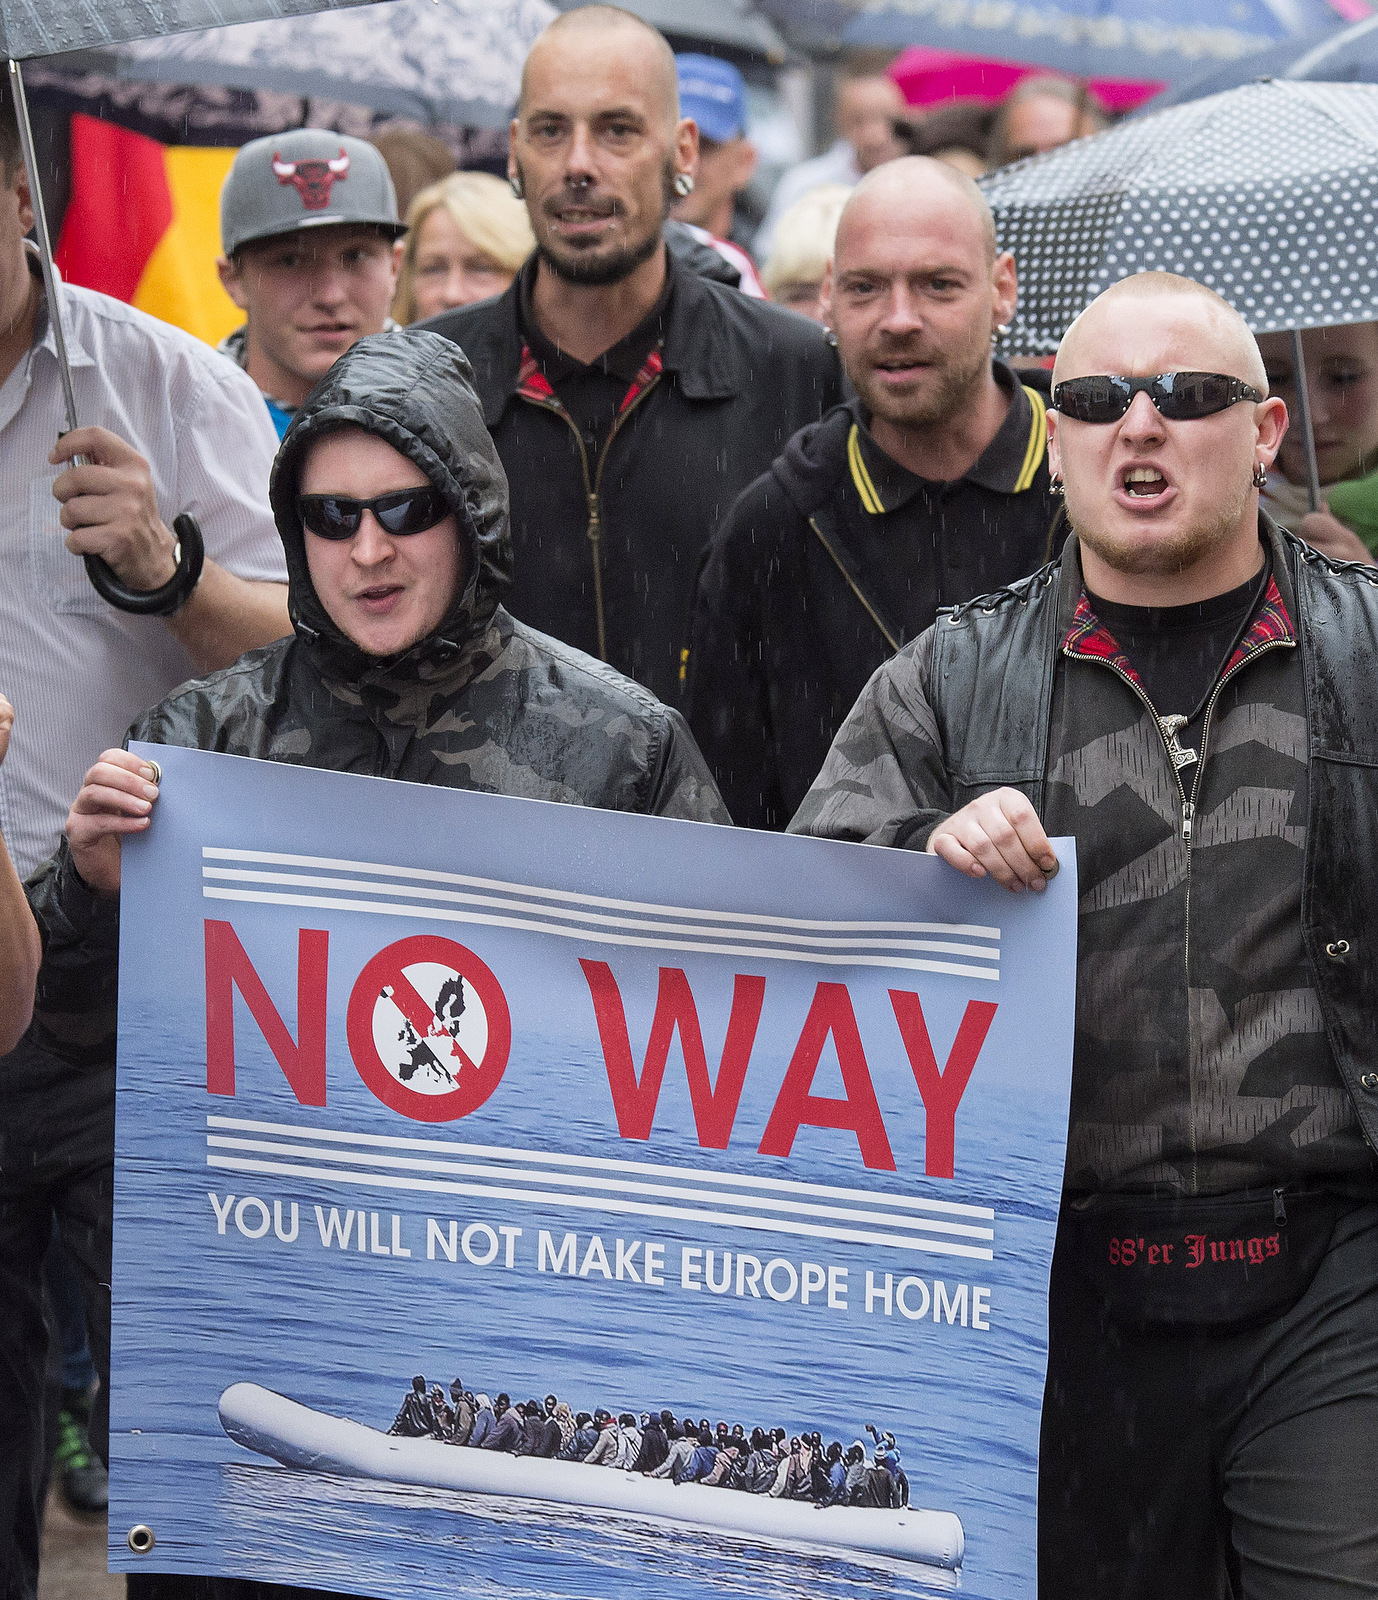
[(594, 1183), (492, 903)]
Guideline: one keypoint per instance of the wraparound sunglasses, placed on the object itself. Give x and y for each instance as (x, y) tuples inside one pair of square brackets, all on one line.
[(404, 511), (1179, 396)]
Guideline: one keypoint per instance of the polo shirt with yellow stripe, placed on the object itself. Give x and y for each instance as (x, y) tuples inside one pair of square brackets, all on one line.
[(913, 545)]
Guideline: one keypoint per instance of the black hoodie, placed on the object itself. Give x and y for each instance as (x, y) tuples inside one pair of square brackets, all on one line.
[(823, 568)]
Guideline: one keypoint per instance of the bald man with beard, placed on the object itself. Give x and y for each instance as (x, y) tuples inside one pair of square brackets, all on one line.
[(928, 488), (1188, 693), (630, 399)]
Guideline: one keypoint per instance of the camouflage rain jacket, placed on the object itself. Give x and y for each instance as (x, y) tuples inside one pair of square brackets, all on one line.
[(1227, 1009), (483, 702)]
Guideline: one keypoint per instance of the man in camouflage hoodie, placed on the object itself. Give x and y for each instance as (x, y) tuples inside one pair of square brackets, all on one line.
[(1190, 694), (403, 664)]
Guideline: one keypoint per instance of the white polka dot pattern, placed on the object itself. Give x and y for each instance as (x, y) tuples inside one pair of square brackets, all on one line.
[(1268, 193)]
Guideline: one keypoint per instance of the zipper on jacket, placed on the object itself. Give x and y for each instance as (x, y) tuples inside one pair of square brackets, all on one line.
[(592, 487), (1178, 758)]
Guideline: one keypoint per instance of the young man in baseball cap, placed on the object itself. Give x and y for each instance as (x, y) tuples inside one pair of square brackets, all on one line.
[(713, 94), (308, 223)]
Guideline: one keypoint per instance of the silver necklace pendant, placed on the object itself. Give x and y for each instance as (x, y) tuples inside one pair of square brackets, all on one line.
[(1182, 755)]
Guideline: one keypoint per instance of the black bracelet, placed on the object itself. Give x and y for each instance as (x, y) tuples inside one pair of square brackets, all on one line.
[(169, 597)]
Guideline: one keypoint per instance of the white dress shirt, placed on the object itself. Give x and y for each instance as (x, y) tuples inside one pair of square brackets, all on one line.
[(77, 670)]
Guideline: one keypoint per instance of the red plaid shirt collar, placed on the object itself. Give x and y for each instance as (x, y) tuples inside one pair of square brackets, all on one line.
[(1088, 636), (533, 385)]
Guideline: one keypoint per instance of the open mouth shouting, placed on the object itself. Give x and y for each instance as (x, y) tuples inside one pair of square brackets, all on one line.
[(1143, 486)]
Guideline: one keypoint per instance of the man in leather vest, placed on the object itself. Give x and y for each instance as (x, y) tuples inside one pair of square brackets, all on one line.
[(929, 488), (1189, 693)]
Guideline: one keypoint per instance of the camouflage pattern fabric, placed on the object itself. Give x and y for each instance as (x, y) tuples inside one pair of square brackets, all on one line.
[(1201, 1060), (481, 703)]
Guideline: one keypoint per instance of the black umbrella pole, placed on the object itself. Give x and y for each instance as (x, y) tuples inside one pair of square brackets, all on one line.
[(45, 247), (1308, 439)]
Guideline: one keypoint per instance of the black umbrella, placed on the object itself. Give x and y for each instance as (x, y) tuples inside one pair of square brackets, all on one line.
[(49, 27), (1268, 193)]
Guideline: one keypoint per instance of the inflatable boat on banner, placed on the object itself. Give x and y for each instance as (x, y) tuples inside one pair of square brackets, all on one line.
[(312, 1441)]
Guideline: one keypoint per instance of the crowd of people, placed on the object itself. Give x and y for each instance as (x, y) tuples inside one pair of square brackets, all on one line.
[(537, 490), (658, 1444)]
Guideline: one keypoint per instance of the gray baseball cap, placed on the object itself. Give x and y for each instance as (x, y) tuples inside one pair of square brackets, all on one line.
[(308, 178)]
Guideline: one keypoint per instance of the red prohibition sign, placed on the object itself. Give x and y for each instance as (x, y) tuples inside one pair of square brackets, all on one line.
[(428, 1031)]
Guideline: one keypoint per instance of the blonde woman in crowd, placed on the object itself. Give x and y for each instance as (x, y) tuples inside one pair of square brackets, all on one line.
[(466, 237), (802, 245)]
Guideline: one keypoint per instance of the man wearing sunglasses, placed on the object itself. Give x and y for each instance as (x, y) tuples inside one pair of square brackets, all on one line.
[(392, 508), (1188, 693)]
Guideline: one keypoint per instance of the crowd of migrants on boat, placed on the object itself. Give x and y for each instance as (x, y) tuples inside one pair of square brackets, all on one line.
[(767, 1461)]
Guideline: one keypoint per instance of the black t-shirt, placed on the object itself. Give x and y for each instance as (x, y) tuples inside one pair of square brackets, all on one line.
[(593, 394), (1179, 652)]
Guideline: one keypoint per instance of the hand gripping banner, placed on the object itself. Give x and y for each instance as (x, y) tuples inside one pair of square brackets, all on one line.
[(521, 1198)]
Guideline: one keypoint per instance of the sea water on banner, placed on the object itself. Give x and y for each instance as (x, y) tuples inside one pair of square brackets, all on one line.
[(636, 1113)]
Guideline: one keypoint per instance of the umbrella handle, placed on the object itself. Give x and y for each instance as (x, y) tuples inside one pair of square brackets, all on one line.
[(168, 597)]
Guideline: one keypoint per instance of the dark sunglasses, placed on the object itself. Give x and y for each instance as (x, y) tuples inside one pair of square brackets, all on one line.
[(1179, 396), (404, 511)]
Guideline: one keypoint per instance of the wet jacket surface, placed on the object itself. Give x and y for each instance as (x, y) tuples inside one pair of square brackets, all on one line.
[(482, 703), (732, 380), (824, 567), (1245, 1055)]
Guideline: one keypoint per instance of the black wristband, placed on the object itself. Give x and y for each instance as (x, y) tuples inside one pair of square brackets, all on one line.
[(169, 597)]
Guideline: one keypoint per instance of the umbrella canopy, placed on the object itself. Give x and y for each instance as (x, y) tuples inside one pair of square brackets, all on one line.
[(927, 77), (731, 25), (1349, 56), (1268, 193), (1171, 40), (49, 27), (434, 60)]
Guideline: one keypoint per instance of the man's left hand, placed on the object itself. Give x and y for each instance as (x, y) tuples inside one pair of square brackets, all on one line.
[(111, 509)]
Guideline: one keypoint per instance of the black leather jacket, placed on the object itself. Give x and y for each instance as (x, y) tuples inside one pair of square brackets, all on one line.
[(968, 708)]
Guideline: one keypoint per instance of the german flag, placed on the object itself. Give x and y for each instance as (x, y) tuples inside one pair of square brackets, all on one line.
[(143, 224)]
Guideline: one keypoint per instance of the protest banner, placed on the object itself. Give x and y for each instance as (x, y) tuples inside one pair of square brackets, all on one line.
[(632, 1113)]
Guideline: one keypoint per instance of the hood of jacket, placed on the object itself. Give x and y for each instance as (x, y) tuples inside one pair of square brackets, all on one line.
[(814, 460), (416, 391)]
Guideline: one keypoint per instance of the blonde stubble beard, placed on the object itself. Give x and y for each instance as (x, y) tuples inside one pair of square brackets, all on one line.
[(1157, 557)]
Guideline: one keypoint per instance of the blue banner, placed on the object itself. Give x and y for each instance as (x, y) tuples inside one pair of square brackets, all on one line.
[(605, 1115)]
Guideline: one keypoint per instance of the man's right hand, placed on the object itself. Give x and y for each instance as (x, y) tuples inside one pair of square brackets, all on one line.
[(997, 834), (116, 798)]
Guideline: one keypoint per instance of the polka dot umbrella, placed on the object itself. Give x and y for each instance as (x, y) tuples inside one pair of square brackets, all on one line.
[(1268, 193)]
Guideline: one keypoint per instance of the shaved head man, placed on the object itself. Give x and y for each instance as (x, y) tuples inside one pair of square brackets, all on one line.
[(1166, 510), (597, 144), (1187, 694), (930, 488), (630, 399), (915, 293)]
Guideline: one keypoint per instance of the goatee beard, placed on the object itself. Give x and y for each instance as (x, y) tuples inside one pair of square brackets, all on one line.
[(598, 269)]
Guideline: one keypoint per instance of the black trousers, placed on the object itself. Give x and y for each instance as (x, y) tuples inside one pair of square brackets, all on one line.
[(1206, 1465), (57, 1131)]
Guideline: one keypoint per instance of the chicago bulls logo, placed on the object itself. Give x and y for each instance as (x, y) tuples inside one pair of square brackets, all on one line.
[(312, 179)]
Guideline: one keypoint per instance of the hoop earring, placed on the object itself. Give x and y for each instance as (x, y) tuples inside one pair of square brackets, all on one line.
[(1056, 486), (829, 337), (518, 192), (999, 332), (1260, 478), (684, 185)]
